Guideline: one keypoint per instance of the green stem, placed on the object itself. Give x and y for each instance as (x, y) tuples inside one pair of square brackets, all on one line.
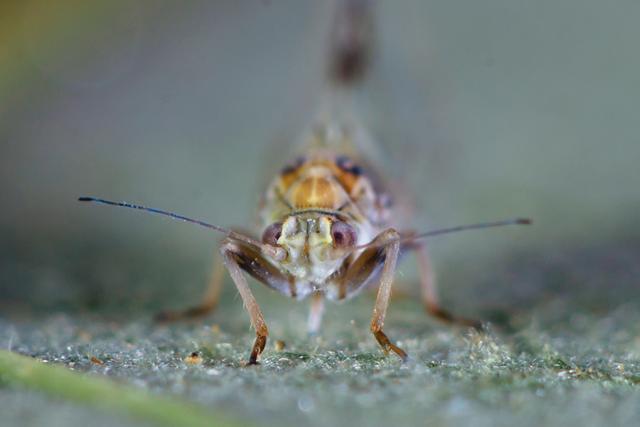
[(59, 382)]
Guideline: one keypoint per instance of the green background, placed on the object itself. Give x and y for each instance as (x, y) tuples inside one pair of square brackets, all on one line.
[(486, 110)]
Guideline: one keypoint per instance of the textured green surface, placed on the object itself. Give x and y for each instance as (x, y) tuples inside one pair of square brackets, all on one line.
[(563, 348)]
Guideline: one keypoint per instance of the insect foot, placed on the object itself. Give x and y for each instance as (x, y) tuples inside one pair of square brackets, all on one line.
[(387, 345)]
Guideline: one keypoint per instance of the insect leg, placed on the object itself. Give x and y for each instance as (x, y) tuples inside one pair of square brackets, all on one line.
[(384, 293), (209, 299), (375, 264), (230, 253), (315, 313), (430, 293), (238, 257)]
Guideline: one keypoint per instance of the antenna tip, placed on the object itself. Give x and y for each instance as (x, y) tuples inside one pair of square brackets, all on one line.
[(85, 199), (524, 221)]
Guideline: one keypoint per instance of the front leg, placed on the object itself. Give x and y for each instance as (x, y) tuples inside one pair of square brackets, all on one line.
[(238, 257), (391, 250), (364, 270)]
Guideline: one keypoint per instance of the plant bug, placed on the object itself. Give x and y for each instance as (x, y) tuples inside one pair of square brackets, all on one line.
[(326, 221)]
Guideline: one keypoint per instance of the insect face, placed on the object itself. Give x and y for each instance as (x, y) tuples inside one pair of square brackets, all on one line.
[(316, 244)]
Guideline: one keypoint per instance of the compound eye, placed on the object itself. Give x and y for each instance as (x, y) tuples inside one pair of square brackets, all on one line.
[(272, 234), (343, 234)]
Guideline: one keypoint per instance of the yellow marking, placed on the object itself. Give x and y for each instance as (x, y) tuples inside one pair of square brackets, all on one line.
[(319, 183), (314, 192)]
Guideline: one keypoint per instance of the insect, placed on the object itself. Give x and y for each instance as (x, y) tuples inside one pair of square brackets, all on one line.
[(327, 221)]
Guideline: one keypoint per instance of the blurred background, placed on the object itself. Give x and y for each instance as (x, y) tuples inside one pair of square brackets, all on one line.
[(487, 109)]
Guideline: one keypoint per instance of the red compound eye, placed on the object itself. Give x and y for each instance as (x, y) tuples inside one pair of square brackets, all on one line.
[(272, 234), (343, 234)]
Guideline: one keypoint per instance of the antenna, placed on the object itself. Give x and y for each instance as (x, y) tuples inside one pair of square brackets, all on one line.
[(437, 232), (271, 250), (278, 253)]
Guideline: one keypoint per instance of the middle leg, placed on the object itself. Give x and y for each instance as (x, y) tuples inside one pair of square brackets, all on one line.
[(429, 291), (209, 299)]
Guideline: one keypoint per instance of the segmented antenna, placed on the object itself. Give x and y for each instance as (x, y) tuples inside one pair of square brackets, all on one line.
[(437, 232), (229, 233), (351, 44), (279, 253)]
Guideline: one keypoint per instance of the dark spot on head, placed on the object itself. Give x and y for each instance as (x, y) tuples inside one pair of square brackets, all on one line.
[(287, 170), (347, 165), (293, 166), (343, 162)]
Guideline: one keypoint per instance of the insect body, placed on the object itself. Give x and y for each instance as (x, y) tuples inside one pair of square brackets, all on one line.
[(326, 229), (325, 235)]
